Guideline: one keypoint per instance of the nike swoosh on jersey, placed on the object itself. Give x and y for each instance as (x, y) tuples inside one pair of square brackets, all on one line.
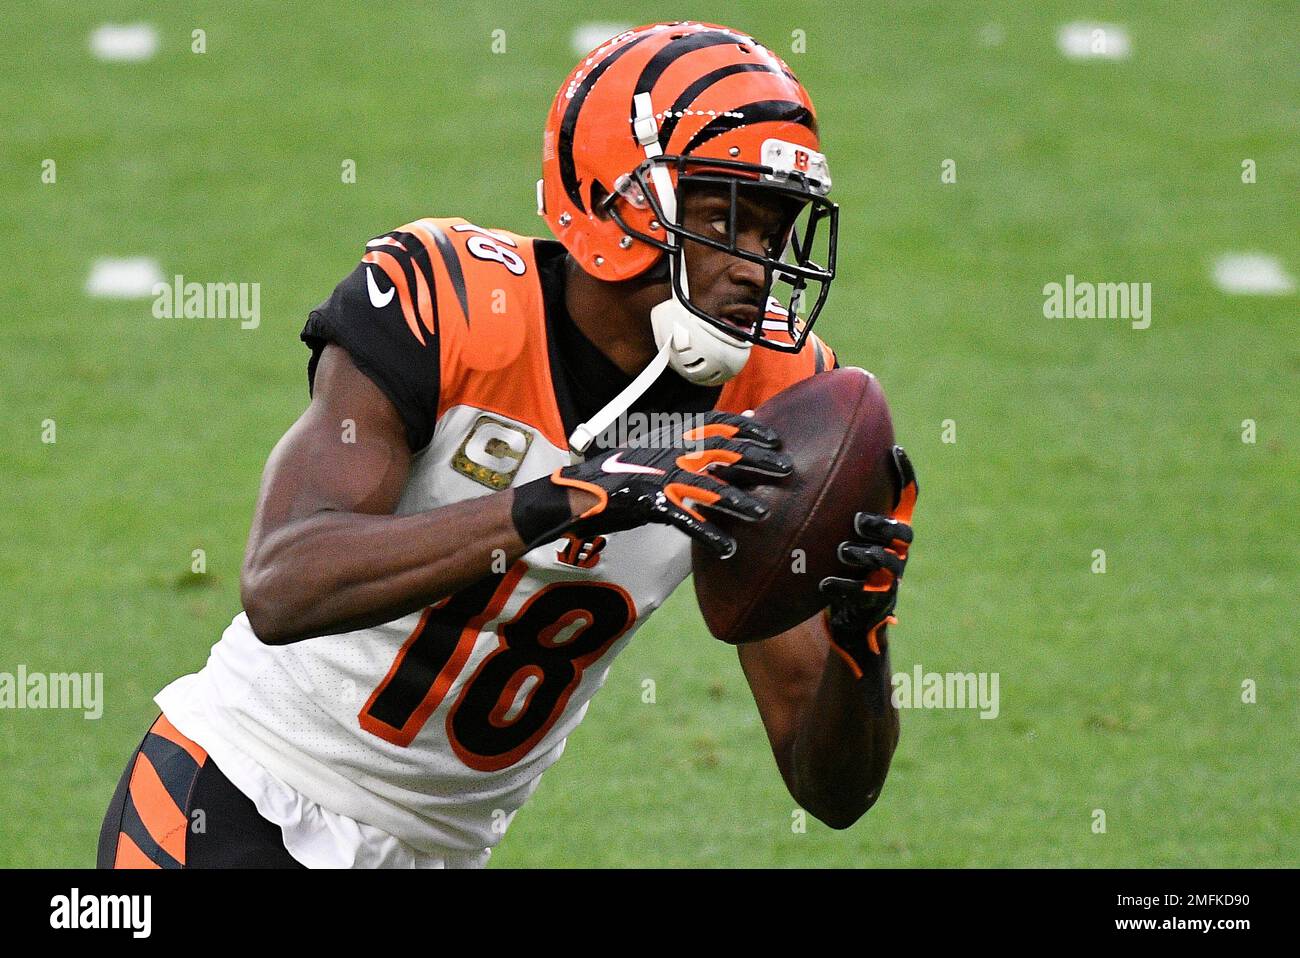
[(615, 464), (377, 299)]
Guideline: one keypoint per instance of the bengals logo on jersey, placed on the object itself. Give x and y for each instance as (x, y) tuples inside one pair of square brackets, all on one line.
[(579, 552)]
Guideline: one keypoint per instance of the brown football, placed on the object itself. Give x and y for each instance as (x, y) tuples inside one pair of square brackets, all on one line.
[(836, 427)]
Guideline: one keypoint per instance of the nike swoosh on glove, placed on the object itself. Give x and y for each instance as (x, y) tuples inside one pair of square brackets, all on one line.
[(664, 478)]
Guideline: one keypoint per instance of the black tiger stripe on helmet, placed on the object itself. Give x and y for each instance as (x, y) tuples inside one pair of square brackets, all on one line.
[(568, 172)]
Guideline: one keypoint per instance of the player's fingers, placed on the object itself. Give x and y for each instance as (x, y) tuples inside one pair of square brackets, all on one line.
[(903, 467), (840, 588), (711, 493), (760, 459), (907, 485), (731, 425), (751, 428), (871, 558), (881, 530), (736, 502), (879, 587), (736, 454), (721, 544), (733, 502)]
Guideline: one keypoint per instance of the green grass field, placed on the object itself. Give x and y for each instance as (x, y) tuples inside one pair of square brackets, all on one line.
[(1119, 691)]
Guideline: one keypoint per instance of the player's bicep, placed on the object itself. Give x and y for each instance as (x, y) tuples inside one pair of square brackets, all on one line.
[(348, 452), (784, 673)]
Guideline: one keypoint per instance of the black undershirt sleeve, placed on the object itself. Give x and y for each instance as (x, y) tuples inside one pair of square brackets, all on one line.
[(366, 317)]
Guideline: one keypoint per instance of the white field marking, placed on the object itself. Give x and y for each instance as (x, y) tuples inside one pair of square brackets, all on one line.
[(131, 278), (992, 35), (1252, 274), (587, 36), (1094, 41), (128, 42)]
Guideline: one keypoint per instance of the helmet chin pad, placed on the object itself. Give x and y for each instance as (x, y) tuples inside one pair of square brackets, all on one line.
[(697, 351)]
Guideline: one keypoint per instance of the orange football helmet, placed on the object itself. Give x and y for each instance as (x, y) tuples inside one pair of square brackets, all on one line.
[(658, 106)]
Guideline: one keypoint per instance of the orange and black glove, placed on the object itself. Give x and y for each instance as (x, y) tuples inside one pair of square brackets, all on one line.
[(663, 478), (862, 601)]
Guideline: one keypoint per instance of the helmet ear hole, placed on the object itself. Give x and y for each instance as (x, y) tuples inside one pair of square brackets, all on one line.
[(660, 272), (596, 198)]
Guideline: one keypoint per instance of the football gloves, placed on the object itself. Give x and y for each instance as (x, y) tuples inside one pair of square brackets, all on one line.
[(662, 477), (862, 602)]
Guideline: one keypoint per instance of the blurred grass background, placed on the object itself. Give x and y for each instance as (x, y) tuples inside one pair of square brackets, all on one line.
[(1119, 691)]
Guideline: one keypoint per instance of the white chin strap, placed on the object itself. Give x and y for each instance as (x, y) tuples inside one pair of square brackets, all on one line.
[(697, 351), (593, 427)]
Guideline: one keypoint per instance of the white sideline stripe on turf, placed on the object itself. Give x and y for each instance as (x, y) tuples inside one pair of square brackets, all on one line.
[(128, 42), (587, 36), (1252, 274), (1082, 40), (131, 278)]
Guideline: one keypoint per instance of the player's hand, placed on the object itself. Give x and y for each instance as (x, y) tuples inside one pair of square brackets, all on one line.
[(665, 477), (862, 600)]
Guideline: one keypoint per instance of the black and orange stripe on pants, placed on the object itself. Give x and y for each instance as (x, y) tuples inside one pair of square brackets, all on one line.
[(173, 808)]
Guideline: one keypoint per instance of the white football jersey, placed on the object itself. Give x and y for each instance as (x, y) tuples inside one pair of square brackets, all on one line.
[(433, 729)]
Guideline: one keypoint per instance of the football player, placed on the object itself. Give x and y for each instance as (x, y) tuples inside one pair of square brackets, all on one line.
[(447, 556)]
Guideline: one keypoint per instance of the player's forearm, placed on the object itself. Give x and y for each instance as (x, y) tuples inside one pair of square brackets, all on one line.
[(334, 572), (845, 742)]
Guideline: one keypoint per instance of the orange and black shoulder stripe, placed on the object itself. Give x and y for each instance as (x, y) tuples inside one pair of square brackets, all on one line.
[(154, 820), (406, 256), (477, 293), (434, 264)]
